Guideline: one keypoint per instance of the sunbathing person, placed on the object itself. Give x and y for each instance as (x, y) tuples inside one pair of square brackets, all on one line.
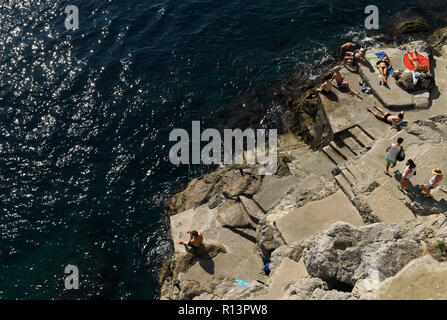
[(357, 55), (195, 239), (347, 47), (415, 60), (386, 116), (341, 83), (326, 87), (384, 66)]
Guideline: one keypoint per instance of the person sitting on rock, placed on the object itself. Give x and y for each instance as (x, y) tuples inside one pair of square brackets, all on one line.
[(326, 87), (415, 60), (386, 116), (357, 55), (384, 66), (195, 240), (408, 173), (347, 47), (341, 83), (433, 183)]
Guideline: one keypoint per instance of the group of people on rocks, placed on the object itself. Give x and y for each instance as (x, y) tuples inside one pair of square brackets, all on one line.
[(395, 153), (350, 52)]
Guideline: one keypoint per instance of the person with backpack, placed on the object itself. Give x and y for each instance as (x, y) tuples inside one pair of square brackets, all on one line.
[(395, 152), (408, 173)]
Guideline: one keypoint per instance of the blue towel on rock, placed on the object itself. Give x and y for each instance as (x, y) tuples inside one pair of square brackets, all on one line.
[(381, 54)]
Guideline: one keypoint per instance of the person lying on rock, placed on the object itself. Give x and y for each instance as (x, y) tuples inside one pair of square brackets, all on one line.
[(357, 55), (347, 47), (408, 173), (386, 116), (341, 83), (433, 183), (384, 66), (415, 60), (195, 240)]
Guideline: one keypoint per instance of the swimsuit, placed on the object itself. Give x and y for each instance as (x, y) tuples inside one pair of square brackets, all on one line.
[(192, 245), (385, 119)]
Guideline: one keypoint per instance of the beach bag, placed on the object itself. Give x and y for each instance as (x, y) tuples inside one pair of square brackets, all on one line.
[(401, 155)]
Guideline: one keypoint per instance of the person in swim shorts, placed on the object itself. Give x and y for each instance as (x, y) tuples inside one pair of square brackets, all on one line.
[(340, 81), (393, 151), (386, 116), (195, 240), (347, 47)]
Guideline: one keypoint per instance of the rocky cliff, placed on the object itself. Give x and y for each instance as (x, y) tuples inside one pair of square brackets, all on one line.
[(330, 223)]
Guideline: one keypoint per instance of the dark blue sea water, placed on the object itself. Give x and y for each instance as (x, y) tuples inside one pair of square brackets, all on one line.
[(85, 117)]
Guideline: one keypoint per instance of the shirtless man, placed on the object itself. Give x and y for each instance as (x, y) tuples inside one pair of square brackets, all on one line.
[(415, 60), (195, 239), (384, 65), (386, 116), (326, 86), (357, 55), (341, 83), (347, 47)]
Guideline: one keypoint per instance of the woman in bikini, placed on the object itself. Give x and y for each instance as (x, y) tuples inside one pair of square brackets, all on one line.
[(415, 60), (384, 65)]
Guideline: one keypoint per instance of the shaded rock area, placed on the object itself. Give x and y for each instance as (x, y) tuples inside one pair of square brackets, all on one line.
[(426, 82), (226, 183), (413, 26), (309, 119), (437, 41)]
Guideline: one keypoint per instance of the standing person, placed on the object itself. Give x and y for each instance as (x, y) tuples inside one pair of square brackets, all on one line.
[(347, 47), (408, 173), (433, 183), (393, 151), (195, 240)]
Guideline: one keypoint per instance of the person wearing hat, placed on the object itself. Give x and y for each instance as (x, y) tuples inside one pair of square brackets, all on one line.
[(433, 183)]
